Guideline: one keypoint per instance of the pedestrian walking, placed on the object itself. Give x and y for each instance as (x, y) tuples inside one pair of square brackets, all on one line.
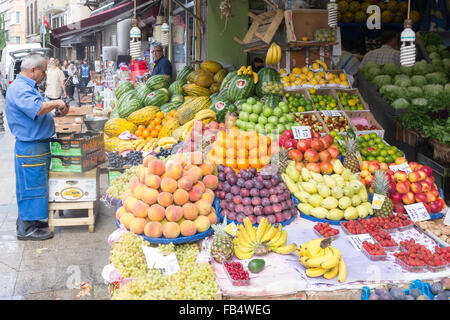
[(85, 74), (72, 80), (31, 122), (55, 83)]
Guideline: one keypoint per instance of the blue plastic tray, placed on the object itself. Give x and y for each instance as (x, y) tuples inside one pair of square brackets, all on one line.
[(425, 288), (178, 240), (218, 209)]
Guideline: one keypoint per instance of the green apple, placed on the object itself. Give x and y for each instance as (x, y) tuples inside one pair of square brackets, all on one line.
[(250, 126), (277, 112), (262, 119), (240, 123), (289, 126), (257, 108), (251, 100), (280, 128), (243, 115), (267, 111), (282, 119), (269, 127), (246, 107), (273, 120), (290, 117), (260, 128), (253, 117)]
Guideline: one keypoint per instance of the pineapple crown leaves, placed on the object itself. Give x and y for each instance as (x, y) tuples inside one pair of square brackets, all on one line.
[(351, 146), (380, 182), (219, 229), (326, 242)]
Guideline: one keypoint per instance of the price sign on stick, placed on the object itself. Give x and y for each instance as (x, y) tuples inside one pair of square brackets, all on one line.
[(331, 113), (377, 201), (153, 257), (357, 240), (401, 167), (301, 132), (417, 212)]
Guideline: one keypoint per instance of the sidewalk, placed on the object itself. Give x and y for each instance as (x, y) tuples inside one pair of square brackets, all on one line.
[(51, 269)]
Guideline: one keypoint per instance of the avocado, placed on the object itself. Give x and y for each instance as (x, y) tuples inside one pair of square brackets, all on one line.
[(256, 265)]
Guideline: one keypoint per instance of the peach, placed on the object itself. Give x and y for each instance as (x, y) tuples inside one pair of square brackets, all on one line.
[(400, 176), (169, 185), (174, 213), (180, 197), (190, 211), (416, 187), (174, 170), (426, 186), (188, 228), (134, 182), (153, 229), (408, 198), (125, 219), (185, 183), (137, 225), (198, 172), (204, 207), (191, 175), (201, 185), (207, 168), (165, 199), (137, 193), (202, 223), (208, 195), (149, 196), (126, 194), (430, 196), (129, 203), (156, 166), (171, 230), (142, 176), (147, 159), (152, 181), (139, 169), (212, 217), (402, 187), (119, 212), (140, 209), (211, 182), (414, 177), (195, 194), (156, 212)]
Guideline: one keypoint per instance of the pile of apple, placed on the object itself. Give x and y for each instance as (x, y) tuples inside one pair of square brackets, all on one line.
[(417, 186), (368, 169), (316, 153)]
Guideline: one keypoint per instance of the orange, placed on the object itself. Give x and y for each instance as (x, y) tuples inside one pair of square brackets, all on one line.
[(154, 133), (138, 132), (145, 133), (231, 153), (150, 127), (242, 153), (160, 115), (141, 127), (148, 139), (264, 160), (157, 121), (158, 128)]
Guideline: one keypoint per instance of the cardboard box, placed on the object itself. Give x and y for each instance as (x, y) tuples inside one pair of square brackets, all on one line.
[(304, 23), (78, 163), (68, 124), (370, 118), (68, 187), (77, 144), (80, 111)]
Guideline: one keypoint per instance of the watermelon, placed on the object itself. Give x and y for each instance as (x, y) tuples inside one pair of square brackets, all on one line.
[(227, 80), (123, 87), (265, 75), (272, 100), (127, 96), (169, 106), (176, 88), (223, 93), (129, 106), (142, 91), (156, 82), (157, 98), (241, 87), (114, 113), (182, 75), (221, 108), (177, 98), (213, 96)]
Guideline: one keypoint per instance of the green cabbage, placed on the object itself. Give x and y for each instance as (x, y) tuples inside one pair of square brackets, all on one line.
[(447, 88), (400, 103), (446, 64), (435, 55), (414, 92), (421, 68), (391, 92), (419, 102), (382, 80), (372, 72), (431, 48), (368, 65), (418, 80), (441, 47), (403, 82), (390, 68), (433, 90), (406, 70), (436, 78)]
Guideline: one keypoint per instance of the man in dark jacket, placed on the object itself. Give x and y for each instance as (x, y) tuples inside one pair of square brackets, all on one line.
[(162, 65)]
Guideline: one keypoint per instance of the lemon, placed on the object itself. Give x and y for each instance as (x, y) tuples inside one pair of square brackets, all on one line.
[(315, 66), (342, 76), (292, 77), (305, 69), (296, 71), (312, 90)]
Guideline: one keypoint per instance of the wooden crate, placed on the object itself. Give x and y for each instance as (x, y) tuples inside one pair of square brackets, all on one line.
[(354, 91), (321, 113), (370, 118), (323, 91), (407, 136), (90, 206), (304, 23)]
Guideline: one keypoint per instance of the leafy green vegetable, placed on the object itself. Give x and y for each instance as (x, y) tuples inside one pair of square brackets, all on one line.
[(436, 78), (435, 55), (403, 82), (418, 80), (390, 68), (391, 92), (414, 92), (372, 72), (433, 90), (415, 117), (421, 68), (382, 80), (431, 48), (420, 102), (431, 38), (438, 129), (400, 103)]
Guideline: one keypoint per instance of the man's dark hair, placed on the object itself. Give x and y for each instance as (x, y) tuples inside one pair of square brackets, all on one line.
[(387, 36)]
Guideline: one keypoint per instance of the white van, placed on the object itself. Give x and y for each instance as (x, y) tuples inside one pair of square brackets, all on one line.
[(7, 62)]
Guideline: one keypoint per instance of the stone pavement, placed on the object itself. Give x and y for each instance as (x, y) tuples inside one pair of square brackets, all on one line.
[(51, 269)]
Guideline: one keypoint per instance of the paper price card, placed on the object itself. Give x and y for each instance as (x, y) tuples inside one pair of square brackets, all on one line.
[(153, 257), (447, 218), (377, 201), (301, 132), (331, 113), (358, 156), (231, 229), (401, 167), (417, 212), (357, 240), (170, 264)]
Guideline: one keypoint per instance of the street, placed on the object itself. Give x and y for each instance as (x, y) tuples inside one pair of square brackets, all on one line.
[(51, 269)]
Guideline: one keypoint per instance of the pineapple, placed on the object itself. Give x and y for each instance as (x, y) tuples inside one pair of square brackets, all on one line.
[(281, 160), (351, 159), (381, 186), (222, 246)]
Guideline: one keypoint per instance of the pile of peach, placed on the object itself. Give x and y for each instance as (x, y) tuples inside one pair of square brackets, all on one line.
[(170, 199)]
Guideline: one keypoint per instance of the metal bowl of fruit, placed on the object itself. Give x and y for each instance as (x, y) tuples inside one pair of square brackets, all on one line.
[(95, 123)]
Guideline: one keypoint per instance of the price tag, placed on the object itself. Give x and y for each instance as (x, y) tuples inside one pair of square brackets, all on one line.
[(447, 218), (357, 240), (331, 113), (231, 229), (301, 132), (417, 212), (377, 201), (358, 156), (153, 257), (170, 264), (401, 167)]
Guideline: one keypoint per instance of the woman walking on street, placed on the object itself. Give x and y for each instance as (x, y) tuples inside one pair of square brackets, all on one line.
[(72, 80), (55, 84)]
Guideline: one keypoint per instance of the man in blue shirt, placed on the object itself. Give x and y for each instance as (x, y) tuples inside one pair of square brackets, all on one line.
[(162, 64), (84, 74), (30, 121)]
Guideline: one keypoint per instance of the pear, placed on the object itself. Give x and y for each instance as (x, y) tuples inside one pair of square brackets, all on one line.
[(317, 177), (309, 187), (329, 181), (302, 196), (362, 211), (306, 174), (344, 203), (356, 185), (351, 213), (329, 203), (289, 183), (338, 167), (319, 212), (335, 214), (346, 174), (305, 208), (348, 191), (293, 173), (356, 200), (323, 190), (315, 200), (363, 194), (337, 192)]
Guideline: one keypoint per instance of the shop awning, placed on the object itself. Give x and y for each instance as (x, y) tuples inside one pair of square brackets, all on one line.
[(98, 20)]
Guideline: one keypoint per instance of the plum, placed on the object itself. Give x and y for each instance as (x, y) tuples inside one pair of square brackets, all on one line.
[(222, 195), (273, 190), (223, 204), (231, 215), (256, 201), (254, 192), (397, 293), (273, 198), (287, 214), (258, 219), (277, 208), (246, 201), (267, 184), (265, 202), (271, 219), (239, 208), (230, 206), (226, 186), (240, 217), (279, 217), (248, 210), (235, 190), (259, 185), (274, 181), (258, 211), (290, 202), (221, 167), (259, 178), (380, 291), (252, 219), (226, 212), (227, 196), (240, 182), (441, 296), (232, 179), (237, 199), (245, 192), (437, 288), (221, 176), (267, 209), (249, 184), (284, 205), (264, 193), (386, 296), (253, 171)]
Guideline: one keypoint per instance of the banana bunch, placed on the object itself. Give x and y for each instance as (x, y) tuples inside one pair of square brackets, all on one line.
[(320, 259), (273, 54), (205, 115), (322, 64), (248, 72), (149, 146), (126, 145), (260, 240), (166, 142)]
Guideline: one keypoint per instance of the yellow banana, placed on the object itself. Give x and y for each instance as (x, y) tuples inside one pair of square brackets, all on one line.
[(303, 261), (140, 147), (269, 234), (333, 261), (243, 246), (263, 225), (205, 114), (269, 56), (315, 272), (330, 274), (278, 54), (281, 241), (249, 229), (342, 270), (322, 64), (241, 233), (275, 239), (242, 255), (285, 249), (315, 262)]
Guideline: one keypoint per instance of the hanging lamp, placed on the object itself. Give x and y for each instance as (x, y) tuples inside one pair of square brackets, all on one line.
[(408, 38), (332, 8), (135, 38)]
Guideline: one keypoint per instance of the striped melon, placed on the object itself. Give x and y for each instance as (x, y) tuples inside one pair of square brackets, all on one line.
[(242, 87), (156, 82), (176, 88), (188, 109), (215, 87), (123, 87), (182, 75), (201, 78), (195, 90), (144, 115), (168, 128), (266, 75), (114, 127), (227, 80), (169, 106), (220, 75), (210, 66), (157, 98), (177, 98), (112, 144)]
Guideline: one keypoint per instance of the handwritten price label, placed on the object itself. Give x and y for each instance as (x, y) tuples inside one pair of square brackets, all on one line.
[(301, 132), (401, 167), (231, 229), (377, 201), (153, 257), (417, 212), (357, 240), (170, 264), (331, 113)]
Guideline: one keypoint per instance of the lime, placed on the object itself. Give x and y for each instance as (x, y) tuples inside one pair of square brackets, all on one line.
[(383, 153), (370, 158), (380, 159), (378, 140), (366, 137), (398, 154), (333, 133), (371, 143), (301, 109), (388, 159), (364, 152), (373, 135), (374, 153)]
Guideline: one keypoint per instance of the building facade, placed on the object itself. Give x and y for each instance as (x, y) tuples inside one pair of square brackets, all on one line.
[(14, 15)]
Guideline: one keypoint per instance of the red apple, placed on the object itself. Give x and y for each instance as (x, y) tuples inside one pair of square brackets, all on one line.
[(422, 175), (392, 186), (295, 155), (328, 140), (282, 141), (427, 170), (430, 180), (434, 207), (313, 167), (421, 197), (325, 156), (396, 197), (430, 197), (364, 165), (334, 152), (373, 167), (303, 145), (426, 186), (441, 203), (311, 155), (413, 165), (413, 177), (390, 172), (408, 198), (315, 135), (326, 168), (400, 176), (290, 144), (402, 188), (368, 180), (416, 187), (288, 134), (299, 166), (427, 207), (399, 207), (435, 192), (317, 145)]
